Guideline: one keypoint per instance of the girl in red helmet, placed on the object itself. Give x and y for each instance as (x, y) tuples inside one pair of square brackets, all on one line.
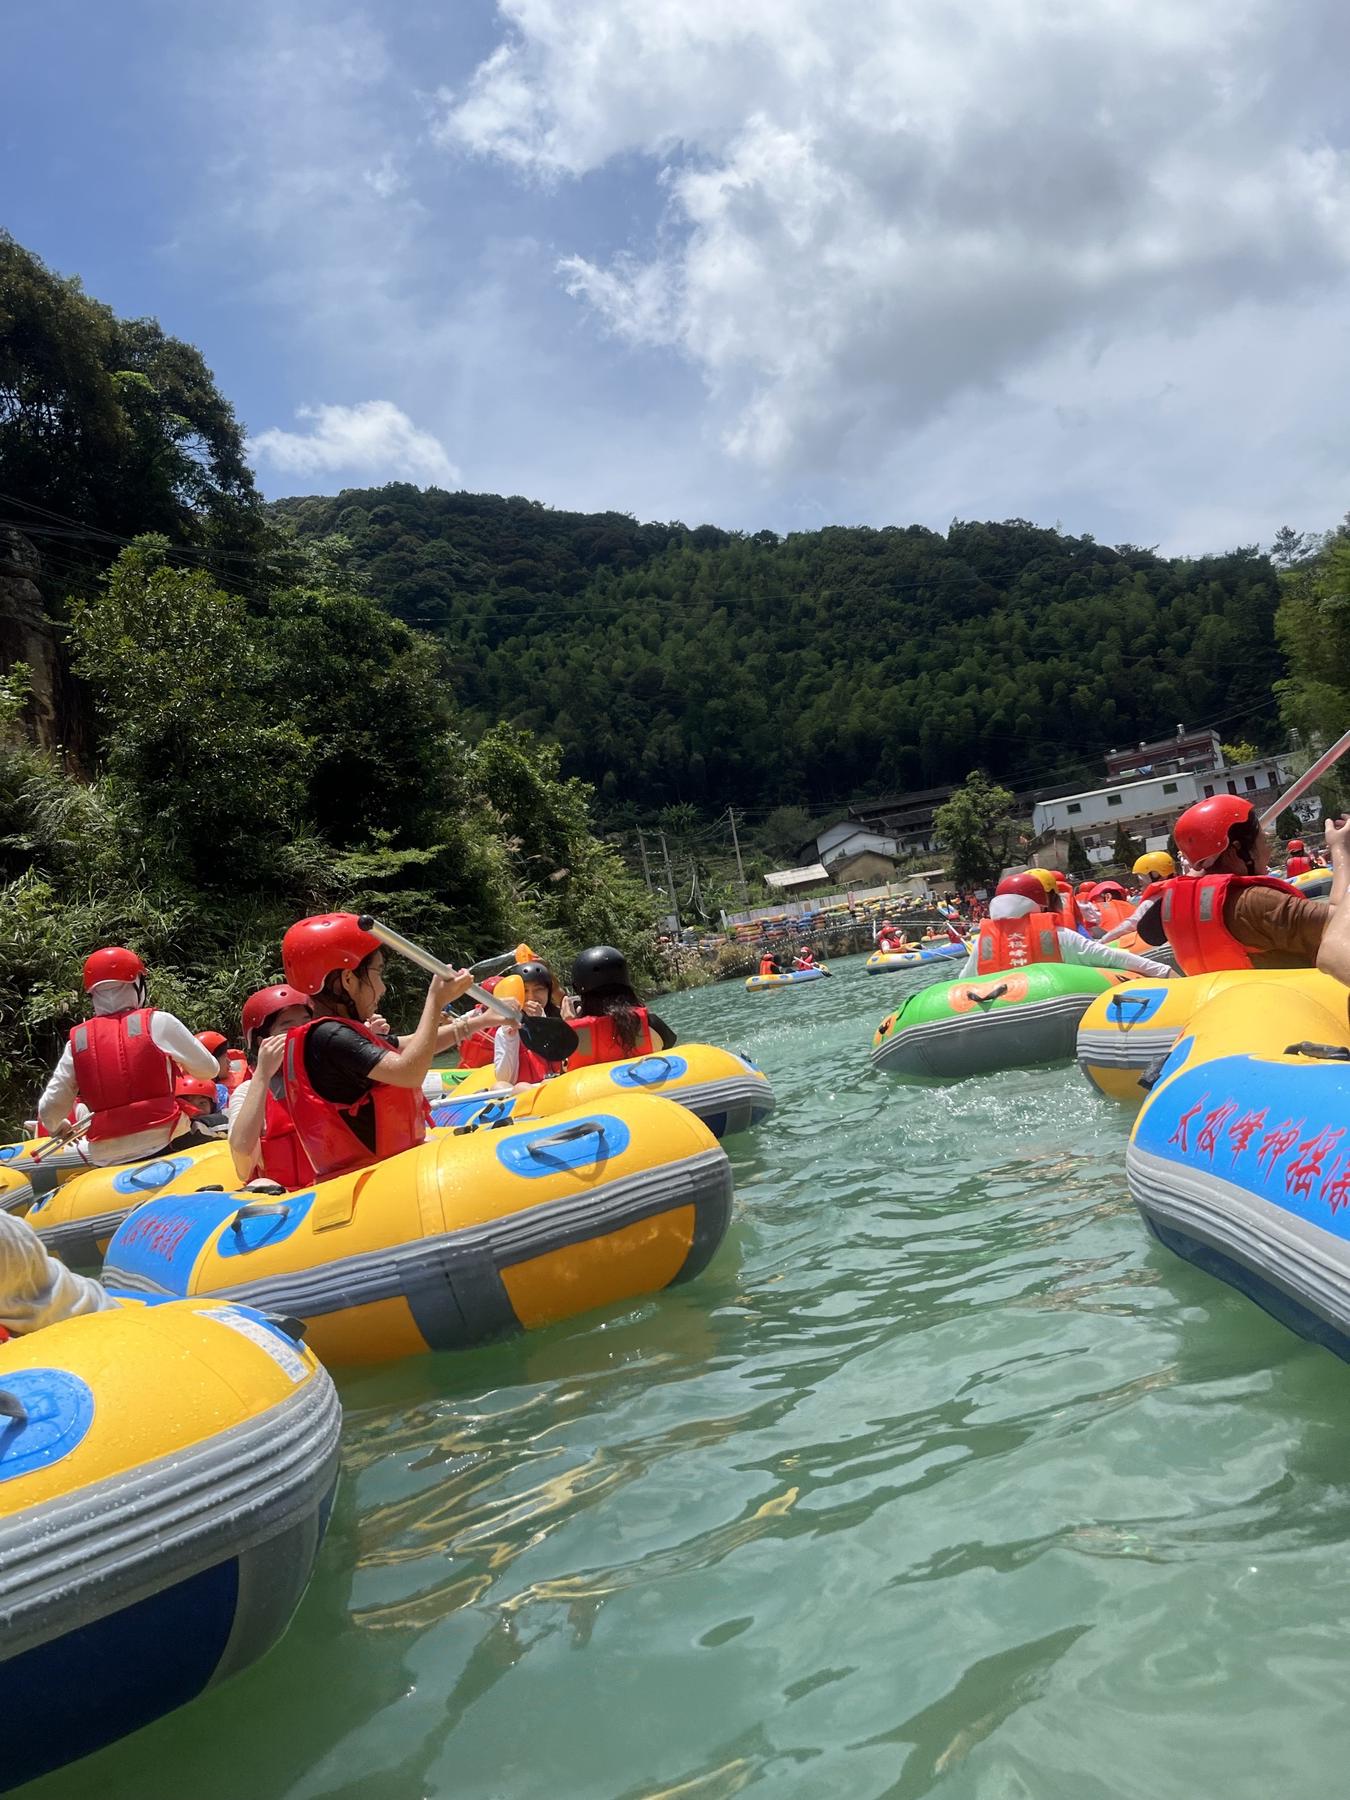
[(353, 1094), (122, 1065), (1297, 861), (1230, 913), (263, 1140), (1021, 929)]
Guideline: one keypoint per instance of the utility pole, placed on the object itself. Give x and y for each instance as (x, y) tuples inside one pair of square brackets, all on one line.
[(646, 870), (740, 866), (670, 880)]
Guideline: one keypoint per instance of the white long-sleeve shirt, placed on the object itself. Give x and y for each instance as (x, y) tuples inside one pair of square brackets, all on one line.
[(37, 1290), (169, 1035), (1136, 918), (1074, 948)]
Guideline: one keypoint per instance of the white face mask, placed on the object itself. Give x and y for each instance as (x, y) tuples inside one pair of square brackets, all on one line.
[(116, 996)]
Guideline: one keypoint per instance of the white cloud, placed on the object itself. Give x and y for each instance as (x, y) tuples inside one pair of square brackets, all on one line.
[(877, 207), (375, 439)]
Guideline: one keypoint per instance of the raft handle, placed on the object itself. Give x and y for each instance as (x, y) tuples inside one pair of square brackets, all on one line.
[(294, 1329), (11, 1407), (1322, 1052), (588, 1128), (258, 1209), (983, 1000), (1118, 1001)]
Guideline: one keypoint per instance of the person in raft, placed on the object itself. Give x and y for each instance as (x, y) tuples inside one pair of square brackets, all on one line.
[(1232, 914), (805, 958), (1297, 860), (353, 1095), (35, 1289), (768, 964), (1150, 870), (231, 1065), (263, 1141), (890, 938), (607, 1016), (1020, 930), (513, 1065), (122, 1065)]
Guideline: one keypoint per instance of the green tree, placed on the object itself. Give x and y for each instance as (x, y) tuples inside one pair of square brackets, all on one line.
[(1287, 825), (1241, 752), (113, 424), (1079, 863), (977, 829), (1126, 850)]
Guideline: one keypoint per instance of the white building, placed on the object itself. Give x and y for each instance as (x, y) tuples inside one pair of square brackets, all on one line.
[(848, 838), (1149, 809)]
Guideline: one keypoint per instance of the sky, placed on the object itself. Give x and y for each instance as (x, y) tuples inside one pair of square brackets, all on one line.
[(781, 263)]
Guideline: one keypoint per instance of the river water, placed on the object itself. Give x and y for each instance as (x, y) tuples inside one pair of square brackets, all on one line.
[(942, 1480)]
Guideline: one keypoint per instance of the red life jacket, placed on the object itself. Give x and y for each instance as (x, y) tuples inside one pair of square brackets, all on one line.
[(532, 1067), (767, 966), (600, 1044), (324, 1128), (123, 1076), (1013, 943), (1298, 865), (1192, 917), (804, 962), (283, 1155), (476, 1052)]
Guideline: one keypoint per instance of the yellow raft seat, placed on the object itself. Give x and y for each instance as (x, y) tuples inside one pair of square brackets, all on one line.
[(471, 1236), (166, 1475), (726, 1091), (76, 1220)]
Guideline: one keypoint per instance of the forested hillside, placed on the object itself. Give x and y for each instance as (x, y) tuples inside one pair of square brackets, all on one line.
[(710, 667)]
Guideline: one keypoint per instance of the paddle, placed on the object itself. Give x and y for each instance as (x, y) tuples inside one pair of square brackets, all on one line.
[(1300, 787), (552, 1039)]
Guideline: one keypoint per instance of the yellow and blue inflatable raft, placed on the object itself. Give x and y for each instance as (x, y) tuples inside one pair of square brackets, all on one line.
[(1240, 1158), (165, 1479), (758, 984), (495, 1228), (882, 962), (76, 1220), (726, 1091)]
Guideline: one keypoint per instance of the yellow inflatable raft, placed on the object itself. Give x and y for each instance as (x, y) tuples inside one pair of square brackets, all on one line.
[(471, 1236), (165, 1478), (1240, 1159), (33, 1168), (76, 1220), (1125, 1035), (728, 1093)]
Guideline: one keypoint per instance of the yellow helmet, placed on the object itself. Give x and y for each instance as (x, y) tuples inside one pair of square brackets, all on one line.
[(1156, 863), (1047, 878)]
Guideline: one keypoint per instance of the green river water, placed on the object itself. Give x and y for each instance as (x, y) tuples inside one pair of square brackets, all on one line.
[(943, 1480)]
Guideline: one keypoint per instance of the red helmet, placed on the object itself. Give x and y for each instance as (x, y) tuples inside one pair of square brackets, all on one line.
[(113, 964), (193, 1087), (1028, 887), (266, 1003), (214, 1041), (1202, 830), (314, 947), (1296, 846), (1108, 890)]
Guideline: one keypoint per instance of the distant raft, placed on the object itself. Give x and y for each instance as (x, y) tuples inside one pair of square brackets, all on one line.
[(1240, 1159), (35, 1167), (76, 1220), (471, 1236), (977, 1025), (881, 962), (166, 1475), (793, 978), (1313, 884), (1126, 1035), (726, 1091)]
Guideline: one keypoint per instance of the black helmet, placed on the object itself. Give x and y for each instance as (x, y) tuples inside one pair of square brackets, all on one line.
[(602, 966), (533, 971)]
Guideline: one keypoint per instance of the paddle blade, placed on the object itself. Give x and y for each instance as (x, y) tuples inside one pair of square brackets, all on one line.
[(553, 1039)]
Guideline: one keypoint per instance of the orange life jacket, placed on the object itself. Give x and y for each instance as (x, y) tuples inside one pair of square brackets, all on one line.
[(1192, 917), (1013, 943), (599, 1042)]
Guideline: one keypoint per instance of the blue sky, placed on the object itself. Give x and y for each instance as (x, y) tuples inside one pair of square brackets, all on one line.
[(796, 262)]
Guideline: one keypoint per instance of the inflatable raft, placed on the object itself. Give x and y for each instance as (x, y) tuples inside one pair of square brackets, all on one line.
[(728, 1093), (881, 961), (1313, 884), (979, 1024), (1240, 1158), (474, 1235), (165, 1479), (75, 1221), (24, 1176), (793, 978), (1126, 1035)]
